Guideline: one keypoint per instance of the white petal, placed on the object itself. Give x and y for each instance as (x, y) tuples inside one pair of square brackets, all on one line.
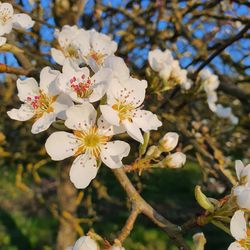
[(85, 243), (159, 59), (110, 115), (22, 21), (101, 80), (58, 56), (80, 117), (48, 81), (113, 152), (239, 166), (243, 197), (133, 130), (146, 120), (24, 113), (27, 88), (235, 246), (83, 170), (62, 103), (43, 123), (108, 129), (6, 28), (2, 41), (61, 145), (118, 67), (238, 226)]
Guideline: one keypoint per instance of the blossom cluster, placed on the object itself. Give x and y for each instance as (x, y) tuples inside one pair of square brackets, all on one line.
[(172, 74), (96, 98), (9, 20)]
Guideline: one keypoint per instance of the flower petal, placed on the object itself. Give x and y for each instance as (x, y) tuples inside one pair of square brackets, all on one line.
[(239, 166), (235, 246), (85, 243), (58, 56), (22, 21), (113, 152), (146, 120), (24, 113), (108, 129), (43, 123), (48, 81), (238, 226), (133, 130), (80, 117), (243, 196), (62, 103), (27, 88), (61, 145), (110, 115), (2, 41), (83, 170)]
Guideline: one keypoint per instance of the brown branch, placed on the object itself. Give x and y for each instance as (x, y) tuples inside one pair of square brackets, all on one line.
[(12, 70), (172, 230), (129, 224)]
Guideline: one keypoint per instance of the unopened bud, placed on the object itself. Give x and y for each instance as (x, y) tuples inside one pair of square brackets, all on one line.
[(85, 243), (169, 141), (199, 241), (176, 160), (154, 152)]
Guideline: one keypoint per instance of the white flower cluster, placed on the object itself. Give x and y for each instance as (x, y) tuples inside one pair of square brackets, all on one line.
[(68, 95), (168, 68), (9, 20), (211, 83), (240, 230)]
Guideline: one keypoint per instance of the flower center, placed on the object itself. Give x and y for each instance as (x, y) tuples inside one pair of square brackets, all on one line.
[(91, 141), (82, 86), (245, 243), (124, 110), (70, 51), (42, 103), (98, 57), (5, 16)]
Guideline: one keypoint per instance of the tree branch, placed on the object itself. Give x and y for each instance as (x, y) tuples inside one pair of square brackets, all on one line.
[(172, 230)]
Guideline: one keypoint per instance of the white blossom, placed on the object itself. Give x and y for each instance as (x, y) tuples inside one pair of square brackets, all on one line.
[(240, 231), (242, 191), (80, 86), (169, 141), (168, 68), (70, 40), (175, 160), (226, 112), (123, 108), (85, 243), (42, 103), (8, 19), (89, 143)]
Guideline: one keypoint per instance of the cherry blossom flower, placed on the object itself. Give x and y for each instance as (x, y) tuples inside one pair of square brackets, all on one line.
[(77, 83), (175, 160), (123, 108), (85, 243), (89, 143), (169, 141), (100, 47), (240, 231), (168, 68), (42, 103), (70, 40), (8, 19), (242, 191)]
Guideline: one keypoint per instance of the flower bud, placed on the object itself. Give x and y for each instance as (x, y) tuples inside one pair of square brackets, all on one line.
[(176, 160), (199, 241), (154, 152), (85, 243), (169, 141)]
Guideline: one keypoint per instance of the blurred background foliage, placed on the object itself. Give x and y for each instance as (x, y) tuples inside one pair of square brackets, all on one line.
[(40, 210)]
